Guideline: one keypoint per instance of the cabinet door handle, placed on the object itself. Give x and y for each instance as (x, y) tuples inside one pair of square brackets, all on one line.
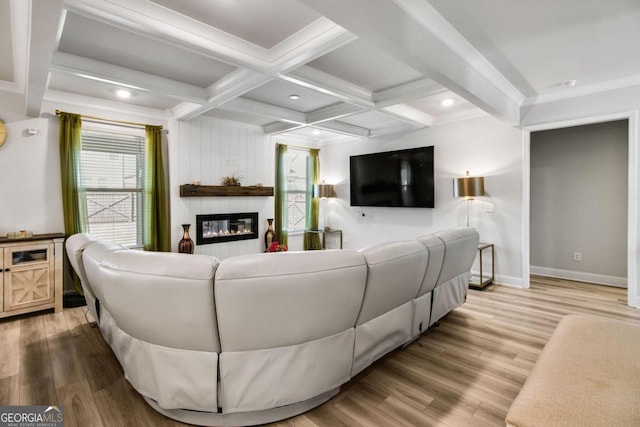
[(7, 269)]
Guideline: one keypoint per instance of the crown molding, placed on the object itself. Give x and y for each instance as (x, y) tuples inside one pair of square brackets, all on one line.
[(573, 92)]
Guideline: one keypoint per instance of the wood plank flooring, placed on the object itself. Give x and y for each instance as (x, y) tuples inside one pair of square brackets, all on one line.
[(466, 371)]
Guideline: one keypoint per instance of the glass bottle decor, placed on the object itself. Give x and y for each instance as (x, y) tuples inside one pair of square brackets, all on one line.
[(186, 245), (269, 234)]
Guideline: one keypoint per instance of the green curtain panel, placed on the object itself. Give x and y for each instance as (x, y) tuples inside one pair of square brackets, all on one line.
[(73, 206), (157, 230), (280, 199), (312, 240)]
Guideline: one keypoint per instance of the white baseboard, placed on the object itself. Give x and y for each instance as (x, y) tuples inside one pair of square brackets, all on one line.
[(600, 279), (504, 280)]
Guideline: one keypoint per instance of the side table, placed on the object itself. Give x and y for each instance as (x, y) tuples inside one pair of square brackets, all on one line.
[(331, 239), (483, 279)]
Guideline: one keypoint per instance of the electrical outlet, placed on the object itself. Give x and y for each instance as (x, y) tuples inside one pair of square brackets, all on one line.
[(489, 207), (577, 256)]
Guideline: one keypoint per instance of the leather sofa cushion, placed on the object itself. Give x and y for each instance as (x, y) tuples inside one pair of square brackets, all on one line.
[(287, 298), (162, 298), (396, 271)]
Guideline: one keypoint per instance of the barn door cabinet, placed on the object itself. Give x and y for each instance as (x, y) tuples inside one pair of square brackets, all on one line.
[(31, 274)]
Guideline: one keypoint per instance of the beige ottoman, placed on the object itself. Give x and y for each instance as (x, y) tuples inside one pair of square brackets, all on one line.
[(588, 374)]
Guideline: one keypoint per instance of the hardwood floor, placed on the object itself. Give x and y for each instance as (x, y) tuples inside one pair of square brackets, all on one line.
[(466, 371)]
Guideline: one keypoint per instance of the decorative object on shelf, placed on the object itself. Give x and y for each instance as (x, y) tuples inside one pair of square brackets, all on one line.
[(269, 234), (468, 187), (186, 246), (190, 190), (277, 247), (231, 180), (20, 234)]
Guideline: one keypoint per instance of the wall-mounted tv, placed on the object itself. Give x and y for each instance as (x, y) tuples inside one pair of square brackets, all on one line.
[(401, 178)]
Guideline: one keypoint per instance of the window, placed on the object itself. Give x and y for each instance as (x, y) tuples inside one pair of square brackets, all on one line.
[(112, 182), (297, 188)]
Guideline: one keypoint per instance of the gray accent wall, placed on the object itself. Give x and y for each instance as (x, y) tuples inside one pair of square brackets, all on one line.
[(579, 201)]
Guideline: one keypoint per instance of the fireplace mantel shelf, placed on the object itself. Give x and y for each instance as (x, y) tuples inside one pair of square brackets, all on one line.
[(190, 190)]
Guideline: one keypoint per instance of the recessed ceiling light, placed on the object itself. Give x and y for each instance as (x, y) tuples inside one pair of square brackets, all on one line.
[(123, 93), (447, 102), (294, 96), (316, 132), (570, 83)]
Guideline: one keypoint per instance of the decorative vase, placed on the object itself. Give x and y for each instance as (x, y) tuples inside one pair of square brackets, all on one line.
[(269, 234), (186, 246)]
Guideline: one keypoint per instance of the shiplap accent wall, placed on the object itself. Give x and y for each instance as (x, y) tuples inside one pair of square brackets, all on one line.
[(207, 149)]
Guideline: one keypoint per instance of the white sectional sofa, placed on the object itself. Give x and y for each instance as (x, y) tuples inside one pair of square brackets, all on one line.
[(259, 338)]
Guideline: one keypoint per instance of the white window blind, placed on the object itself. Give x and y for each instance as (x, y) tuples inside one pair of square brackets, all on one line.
[(296, 164), (112, 181)]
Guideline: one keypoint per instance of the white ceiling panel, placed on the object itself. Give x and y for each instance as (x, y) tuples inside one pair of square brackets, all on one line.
[(367, 66), (372, 120), (277, 93), (79, 86), (264, 23), (433, 105), (107, 43), (538, 45)]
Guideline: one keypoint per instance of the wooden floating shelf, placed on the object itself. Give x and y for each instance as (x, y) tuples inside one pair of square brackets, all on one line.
[(190, 190)]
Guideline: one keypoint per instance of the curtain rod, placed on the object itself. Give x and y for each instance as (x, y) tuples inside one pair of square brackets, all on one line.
[(299, 147), (108, 120)]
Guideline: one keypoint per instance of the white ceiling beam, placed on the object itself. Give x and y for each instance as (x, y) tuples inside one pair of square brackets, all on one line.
[(88, 103), (153, 20), (409, 115), (406, 92), (227, 88), (332, 126), (46, 18), (262, 109), (344, 128), (279, 127), (257, 65), (101, 71), (314, 79), (333, 112), (350, 93), (316, 39), (435, 49)]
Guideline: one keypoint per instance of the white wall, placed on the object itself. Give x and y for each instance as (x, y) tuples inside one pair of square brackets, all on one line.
[(30, 194), (484, 146), (208, 149), (579, 202)]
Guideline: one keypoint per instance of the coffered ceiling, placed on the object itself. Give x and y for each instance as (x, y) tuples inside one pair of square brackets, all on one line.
[(359, 68)]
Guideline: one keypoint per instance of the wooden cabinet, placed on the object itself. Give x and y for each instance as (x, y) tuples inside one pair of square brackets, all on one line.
[(31, 274)]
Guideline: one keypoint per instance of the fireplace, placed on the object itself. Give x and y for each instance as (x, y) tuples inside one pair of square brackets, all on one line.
[(216, 228)]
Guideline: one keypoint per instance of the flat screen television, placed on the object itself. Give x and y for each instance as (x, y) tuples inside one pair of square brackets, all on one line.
[(401, 178)]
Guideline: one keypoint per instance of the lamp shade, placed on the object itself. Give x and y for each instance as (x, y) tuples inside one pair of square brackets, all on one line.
[(323, 190), (468, 186)]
